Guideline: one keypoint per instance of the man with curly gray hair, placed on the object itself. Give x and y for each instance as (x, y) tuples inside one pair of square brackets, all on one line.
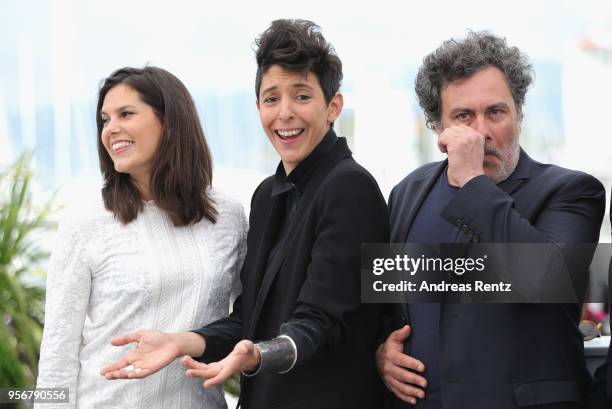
[(487, 190), (482, 59)]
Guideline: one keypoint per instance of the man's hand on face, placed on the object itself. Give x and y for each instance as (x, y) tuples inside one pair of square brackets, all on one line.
[(465, 149)]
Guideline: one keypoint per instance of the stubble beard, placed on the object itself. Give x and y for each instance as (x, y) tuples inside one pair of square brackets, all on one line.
[(508, 158)]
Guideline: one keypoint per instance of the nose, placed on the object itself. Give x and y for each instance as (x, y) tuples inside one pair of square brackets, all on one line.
[(481, 125), (285, 112), (111, 127)]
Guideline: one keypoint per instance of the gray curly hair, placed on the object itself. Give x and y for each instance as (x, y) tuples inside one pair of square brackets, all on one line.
[(456, 59)]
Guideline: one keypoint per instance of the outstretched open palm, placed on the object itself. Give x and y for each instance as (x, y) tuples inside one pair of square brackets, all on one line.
[(154, 351), (244, 357)]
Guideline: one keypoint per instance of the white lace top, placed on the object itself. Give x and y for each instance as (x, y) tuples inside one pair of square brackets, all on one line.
[(107, 279)]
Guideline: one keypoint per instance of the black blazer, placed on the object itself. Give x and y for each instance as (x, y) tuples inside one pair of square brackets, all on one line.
[(507, 356), (318, 284), (600, 393)]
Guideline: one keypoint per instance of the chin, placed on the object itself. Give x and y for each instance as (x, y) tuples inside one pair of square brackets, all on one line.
[(491, 166), (491, 171), (121, 169), (288, 157)]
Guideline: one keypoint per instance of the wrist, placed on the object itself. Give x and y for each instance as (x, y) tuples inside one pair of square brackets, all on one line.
[(277, 355), (462, 180), (253, 364), (254, 360), (471, 176), (188, 343)]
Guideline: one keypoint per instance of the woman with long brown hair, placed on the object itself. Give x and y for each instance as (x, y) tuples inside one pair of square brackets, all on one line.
[(161, 250)]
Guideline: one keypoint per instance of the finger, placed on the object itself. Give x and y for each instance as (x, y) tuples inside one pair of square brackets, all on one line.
[(241, 347), (140, 371), (402, 334), (244, 347), (445, 138), (406, 376), (120, 364), (127, 339), (466, 130), (442, 145), (205, 373), (230, 365), (191, 363), (120, 374), (406, 389), (406, 361), (223, 375), (125, 374), (409, 399)]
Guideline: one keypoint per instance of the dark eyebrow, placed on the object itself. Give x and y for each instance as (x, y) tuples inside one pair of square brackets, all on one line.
[(302, 85), (296, 85), (459, 109), (499, 105), (273, 87), (119, 109)]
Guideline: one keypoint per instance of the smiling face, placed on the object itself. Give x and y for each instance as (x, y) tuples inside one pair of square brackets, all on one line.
[(131, 132), (294, 113), (483, 101)]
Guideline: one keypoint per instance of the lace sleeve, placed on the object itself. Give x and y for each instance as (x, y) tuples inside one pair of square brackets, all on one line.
[(67, 299)]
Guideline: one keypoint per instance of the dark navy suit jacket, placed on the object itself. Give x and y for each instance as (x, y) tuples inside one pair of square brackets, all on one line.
[(600, 394), (507, 356)]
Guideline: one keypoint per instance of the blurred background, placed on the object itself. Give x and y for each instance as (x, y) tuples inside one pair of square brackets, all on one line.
[(53, 55)]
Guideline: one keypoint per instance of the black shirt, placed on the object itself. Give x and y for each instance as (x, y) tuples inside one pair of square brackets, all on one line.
[(430, 227)]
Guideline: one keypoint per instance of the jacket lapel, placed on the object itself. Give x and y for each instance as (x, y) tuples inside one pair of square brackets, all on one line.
[(521, 174), (406, 207), (271, 226)]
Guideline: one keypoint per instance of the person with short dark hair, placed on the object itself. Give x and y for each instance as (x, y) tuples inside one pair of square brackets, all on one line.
[(298, 332), (488, 190), (162, 249)]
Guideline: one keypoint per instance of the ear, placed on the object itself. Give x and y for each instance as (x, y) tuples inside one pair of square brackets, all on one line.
[(334, 108), (257, 103)]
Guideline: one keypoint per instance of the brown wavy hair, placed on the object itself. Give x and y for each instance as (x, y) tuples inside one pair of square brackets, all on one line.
[(182, 166)]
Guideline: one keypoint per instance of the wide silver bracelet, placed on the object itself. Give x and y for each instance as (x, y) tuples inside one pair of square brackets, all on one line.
[(277, 355)]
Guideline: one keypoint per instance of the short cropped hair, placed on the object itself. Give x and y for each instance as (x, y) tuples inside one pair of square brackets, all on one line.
[(182, 166), (456, 59), (298, 46)]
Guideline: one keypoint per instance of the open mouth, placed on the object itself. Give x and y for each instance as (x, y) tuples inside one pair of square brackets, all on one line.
[(120, 146), (287, 134)]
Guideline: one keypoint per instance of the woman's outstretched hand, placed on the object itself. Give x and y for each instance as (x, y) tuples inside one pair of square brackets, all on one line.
[(154, 350)]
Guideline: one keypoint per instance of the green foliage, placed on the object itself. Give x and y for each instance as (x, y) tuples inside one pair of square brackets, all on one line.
[(21, 301), (232, 385)]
